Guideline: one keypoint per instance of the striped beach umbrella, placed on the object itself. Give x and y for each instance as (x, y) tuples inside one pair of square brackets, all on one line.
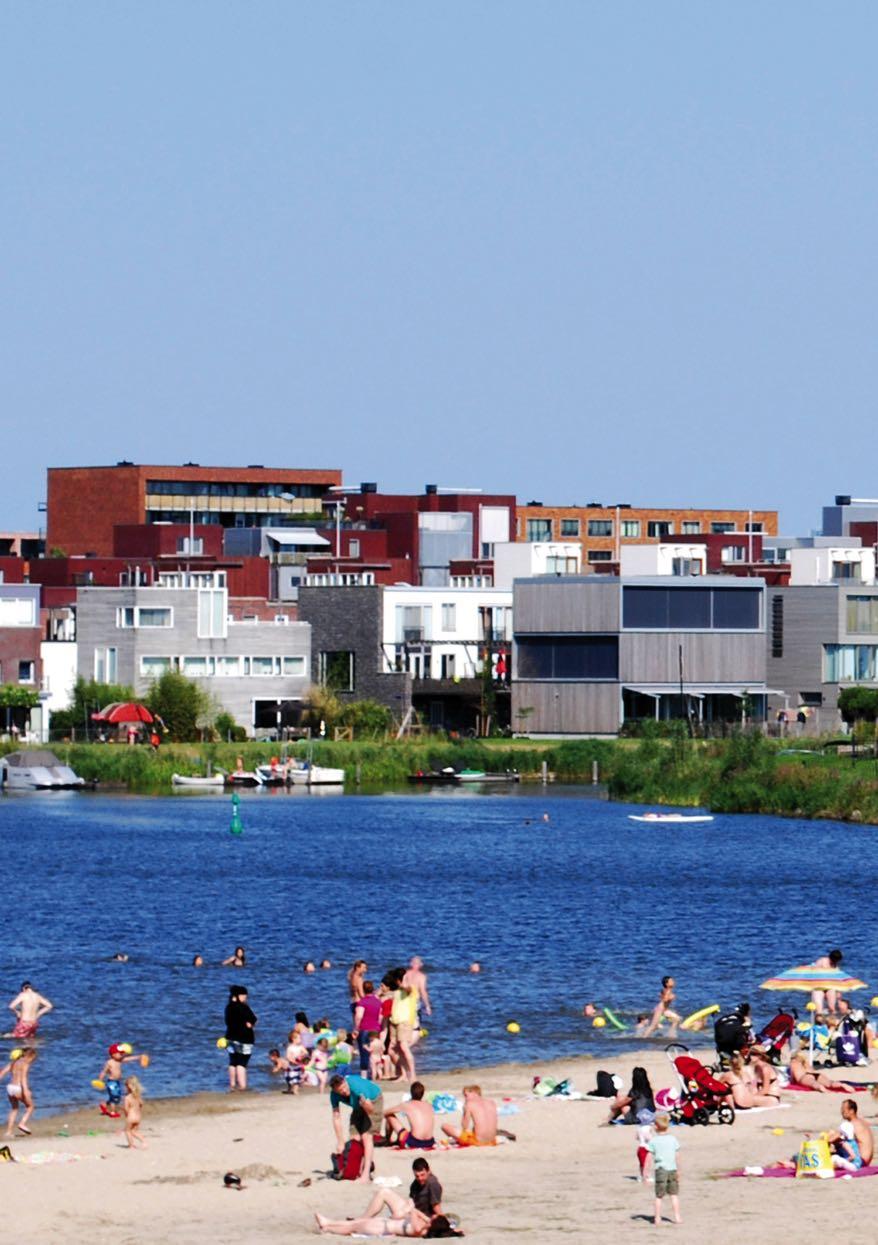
[(809, 977)]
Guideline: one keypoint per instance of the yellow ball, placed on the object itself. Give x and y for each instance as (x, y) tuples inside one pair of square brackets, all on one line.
[(778, 1132), (424, 1032), (513, 1027), (811, 1007), (221, 1043), (598, 1022), (875, 1001), (16, 1054), (127, 1048)]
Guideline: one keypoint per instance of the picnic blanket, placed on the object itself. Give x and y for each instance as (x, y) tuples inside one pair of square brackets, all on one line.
[(773, 1173)]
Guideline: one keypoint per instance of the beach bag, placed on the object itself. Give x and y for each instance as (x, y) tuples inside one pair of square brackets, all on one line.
[(349, 1164), (814, 1158), (848, 1049), (605, 1086)]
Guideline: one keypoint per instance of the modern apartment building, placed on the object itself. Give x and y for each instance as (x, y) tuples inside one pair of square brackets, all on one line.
[(602, 531), (85, 503), (20, 659), (592, 653), (258, 671)]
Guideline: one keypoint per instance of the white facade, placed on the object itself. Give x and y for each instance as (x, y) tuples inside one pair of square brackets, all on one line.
[(442, 633), (668, 558), (831, 564), (522, 559), (59, 673)]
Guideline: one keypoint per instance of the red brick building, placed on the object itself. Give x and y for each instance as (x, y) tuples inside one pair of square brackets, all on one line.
[(84, 504)]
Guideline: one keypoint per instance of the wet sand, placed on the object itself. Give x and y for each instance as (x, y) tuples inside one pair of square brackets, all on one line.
[(566, 1178)]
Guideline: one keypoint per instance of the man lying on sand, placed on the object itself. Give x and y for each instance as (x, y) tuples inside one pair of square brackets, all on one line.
[(478, 1127)]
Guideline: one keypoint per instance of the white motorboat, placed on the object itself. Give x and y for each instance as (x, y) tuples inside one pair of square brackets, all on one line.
[(209, 781), (306, 774), (670, 818), (37, 770)]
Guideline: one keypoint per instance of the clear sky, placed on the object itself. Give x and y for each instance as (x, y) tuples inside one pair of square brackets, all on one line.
[(620, 251)]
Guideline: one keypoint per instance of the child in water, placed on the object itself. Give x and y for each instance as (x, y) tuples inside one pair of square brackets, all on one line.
[(133, 1108), (18, 1091)]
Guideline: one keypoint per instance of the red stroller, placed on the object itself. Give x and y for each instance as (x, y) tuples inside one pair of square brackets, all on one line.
[(776, 1034), (701, 1094)]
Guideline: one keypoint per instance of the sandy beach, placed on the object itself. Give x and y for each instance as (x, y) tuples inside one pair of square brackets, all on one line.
[(565, 1177)]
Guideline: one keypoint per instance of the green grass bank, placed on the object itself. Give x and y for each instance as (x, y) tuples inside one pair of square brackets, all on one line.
[(745, 773)]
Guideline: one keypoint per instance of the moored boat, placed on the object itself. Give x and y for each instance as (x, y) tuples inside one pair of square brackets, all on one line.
[(670, 818), (37, 770), (198, 780)]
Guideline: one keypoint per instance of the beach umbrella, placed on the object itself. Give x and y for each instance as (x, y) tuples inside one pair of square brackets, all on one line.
[(810, 977), (121, 711)]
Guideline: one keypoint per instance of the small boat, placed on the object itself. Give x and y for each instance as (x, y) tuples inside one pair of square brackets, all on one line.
[(273, 775), (456, 776), (244, 778), (670, 818), (306, 774), (197, 780), (37, 770)]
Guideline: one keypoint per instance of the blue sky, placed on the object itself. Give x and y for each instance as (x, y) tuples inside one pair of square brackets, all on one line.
[(620, 251)]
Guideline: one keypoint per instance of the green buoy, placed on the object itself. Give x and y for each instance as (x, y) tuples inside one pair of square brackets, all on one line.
[(237, 826)]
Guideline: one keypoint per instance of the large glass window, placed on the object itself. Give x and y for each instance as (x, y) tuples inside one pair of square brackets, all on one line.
[(850, 663), (153, 667), (449, 615), (17, 612), (600, 527), (657, 528), (153, 617), (336, 671), (106, 666), (690, 527), (569, 527), (212, 613), (228, 667), (862, 615), (196, 667), (691, 609), (631, 529), (262, 665), (539, 529), (719, 528), (294, 666), (568, 657)]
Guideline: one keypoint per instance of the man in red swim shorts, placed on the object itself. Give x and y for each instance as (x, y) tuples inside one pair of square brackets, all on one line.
[(29, 1007)]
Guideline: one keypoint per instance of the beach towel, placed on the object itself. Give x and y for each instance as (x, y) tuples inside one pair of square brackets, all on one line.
[(774, 1173), (836, 1089)]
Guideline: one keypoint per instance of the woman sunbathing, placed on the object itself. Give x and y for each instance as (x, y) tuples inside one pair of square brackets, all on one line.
[(743, 1096), (802, 1074), (767, 1081), (404, 1220)]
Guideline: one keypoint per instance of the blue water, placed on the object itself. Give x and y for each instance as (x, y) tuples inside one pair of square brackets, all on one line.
[(590, 905)]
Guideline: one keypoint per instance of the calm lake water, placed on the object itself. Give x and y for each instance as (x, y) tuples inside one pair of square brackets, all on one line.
[(590, 905)]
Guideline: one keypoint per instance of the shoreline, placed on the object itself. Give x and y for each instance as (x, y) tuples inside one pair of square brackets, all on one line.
[(565, 1176)]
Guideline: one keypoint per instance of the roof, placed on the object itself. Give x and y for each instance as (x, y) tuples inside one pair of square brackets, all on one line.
[(294, 536), (30, 760), (701, 689)]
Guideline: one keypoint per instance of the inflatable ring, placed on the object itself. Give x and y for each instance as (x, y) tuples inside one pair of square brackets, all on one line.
[(699, 1015), (614, 1020)]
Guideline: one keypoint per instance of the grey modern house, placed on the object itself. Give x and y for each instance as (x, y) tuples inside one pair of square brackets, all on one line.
[(591, 653), (258, 671)]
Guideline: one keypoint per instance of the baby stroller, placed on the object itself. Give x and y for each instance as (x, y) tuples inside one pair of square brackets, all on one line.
[(732, 1036), (701, 1094), (776, 1034)]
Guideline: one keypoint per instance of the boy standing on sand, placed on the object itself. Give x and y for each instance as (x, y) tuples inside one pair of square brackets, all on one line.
[(663, 1149), (111, 1075)]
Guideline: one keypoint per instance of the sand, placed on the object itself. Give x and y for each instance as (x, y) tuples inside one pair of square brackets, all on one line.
[(565, 1179)]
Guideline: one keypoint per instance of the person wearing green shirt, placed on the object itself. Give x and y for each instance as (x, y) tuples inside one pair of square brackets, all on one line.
[(366, 1102)]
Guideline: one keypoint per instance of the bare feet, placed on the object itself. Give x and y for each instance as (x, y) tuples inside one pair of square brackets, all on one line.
[(322, 1221)]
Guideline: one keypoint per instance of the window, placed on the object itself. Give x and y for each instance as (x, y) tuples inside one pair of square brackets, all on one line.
[(719, 528), (539, 529), (449, 622), (227, 667), (262, 666), (658, 527), (733, 553), (26, 672), (558, 565), (568, 657), (294, 667), (849, 663), (600, 527), (862, 615), (105, 665), (196, 667), (752, 527), (212, 613), (569, 527), (154, 667), (414, 623), (691, 609), (154, 617), (125, 616), (281, 619), (777, 626), (600, 555), (690, 527), (847, 570), (193, 545), (685, 566), (336, 671), (631, 529), (354, 549), (17, 612)]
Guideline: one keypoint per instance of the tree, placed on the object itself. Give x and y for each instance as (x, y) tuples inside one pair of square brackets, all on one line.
[(366, 717), (88, 698), (180, 703), (858, 704)]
